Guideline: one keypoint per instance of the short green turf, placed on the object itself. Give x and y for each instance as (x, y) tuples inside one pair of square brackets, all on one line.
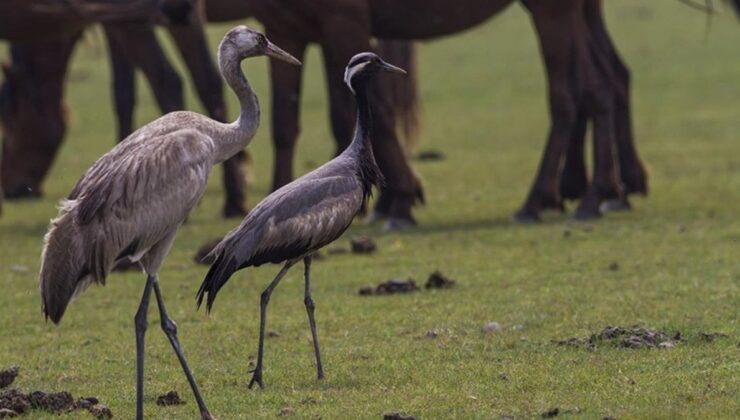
[(485, 108)]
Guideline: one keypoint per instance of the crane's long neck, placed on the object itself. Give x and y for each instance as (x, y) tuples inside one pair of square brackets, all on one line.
[(237, 135), (361, 147)]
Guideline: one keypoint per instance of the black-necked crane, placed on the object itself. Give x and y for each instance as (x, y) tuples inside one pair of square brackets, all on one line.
[(132, 200), (304, 215)]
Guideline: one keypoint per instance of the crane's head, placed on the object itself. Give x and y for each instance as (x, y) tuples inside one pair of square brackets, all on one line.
[(242, 42), (362, 66)]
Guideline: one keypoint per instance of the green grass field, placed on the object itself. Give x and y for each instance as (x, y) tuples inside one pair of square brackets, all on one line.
[(484, 107)]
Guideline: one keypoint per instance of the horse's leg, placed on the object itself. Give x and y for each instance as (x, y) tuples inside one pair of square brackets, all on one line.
[(35, 93), (599, 98), (285, 80), (142, 49), (344, 38), (124, 85), (193, 46), (633, 173), (574, 179), (556, 29)]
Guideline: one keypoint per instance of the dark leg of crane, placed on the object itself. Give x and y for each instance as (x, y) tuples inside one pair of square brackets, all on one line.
[(141, 324), (170, 330), (264, 300), (310, 307)]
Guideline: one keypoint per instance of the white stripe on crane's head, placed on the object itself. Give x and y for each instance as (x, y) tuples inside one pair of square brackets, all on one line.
[(357, 65)]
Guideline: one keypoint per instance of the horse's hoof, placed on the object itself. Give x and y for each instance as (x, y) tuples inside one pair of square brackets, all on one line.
[(395, 224), (375, 216), (526, 217), (234, 212), (615, 205), (585, 214)]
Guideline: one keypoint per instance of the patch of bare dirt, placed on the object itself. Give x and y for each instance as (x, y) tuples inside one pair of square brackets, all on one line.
[(437, 280), (203, 251), (170, 398), (635, 337), (363, 245), (390, 287), (7, 376)]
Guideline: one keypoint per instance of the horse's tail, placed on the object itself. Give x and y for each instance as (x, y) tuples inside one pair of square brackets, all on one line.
[(403, 91)]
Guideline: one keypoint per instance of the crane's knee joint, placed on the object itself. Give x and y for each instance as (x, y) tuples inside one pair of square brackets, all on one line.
[(265, 298), (140, 321), (169, 326), (310, 305)]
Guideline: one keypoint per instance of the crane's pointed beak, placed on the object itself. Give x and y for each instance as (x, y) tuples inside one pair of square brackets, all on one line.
[(391, 68), (274, 51)]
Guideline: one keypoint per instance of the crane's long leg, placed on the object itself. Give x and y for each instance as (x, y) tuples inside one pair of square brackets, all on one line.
[(264, 300), (170, 330), (310, 306), (141, 324)]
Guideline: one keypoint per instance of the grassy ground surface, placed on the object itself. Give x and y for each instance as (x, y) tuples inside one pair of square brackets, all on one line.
[(484, 103)]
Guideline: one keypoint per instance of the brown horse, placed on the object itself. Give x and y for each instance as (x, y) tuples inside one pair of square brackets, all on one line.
[(37, 70), (35, 20), (57, 23), (587, 81)]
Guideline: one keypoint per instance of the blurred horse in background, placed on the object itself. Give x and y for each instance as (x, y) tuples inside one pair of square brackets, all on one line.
[(587, 81), (35, 79), (57, 25)]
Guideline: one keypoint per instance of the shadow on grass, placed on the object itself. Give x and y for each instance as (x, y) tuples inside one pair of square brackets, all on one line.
[(465, 226)]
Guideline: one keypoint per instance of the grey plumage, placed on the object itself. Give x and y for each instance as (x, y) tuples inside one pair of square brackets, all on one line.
[(126, 206), (132, 200), (306, 214)]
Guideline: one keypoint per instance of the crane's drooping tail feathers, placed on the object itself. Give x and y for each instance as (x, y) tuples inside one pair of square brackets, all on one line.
[(219, 273), (403, 92), (63, 273)]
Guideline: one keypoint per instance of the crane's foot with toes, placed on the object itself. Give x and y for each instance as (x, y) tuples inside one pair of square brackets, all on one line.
[(256, 378)]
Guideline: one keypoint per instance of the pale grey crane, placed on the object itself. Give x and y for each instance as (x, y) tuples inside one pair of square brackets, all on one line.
[(304, 215), (132, 200)]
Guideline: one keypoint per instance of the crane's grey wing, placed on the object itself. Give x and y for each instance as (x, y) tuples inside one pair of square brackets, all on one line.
[(299, 218), (131, 200)]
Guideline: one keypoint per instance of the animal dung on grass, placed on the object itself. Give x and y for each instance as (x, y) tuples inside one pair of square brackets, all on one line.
[(7, 376), (437, 280), (390, 287), (14, 402), (170, 398), (363, 245), (635, 337), (430, 155)]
